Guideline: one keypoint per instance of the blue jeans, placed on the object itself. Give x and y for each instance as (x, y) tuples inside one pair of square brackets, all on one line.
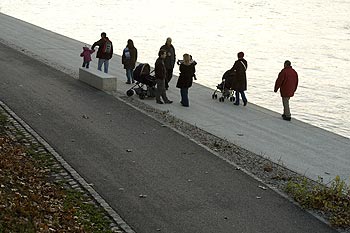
[(129, 75), (105, 63), (242, 95), (184, 97)]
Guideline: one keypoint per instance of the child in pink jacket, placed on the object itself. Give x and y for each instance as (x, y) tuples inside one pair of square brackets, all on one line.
[(86, 54)]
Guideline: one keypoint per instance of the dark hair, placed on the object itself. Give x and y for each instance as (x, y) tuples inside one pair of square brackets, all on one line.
[(103, 34), (130, 44), (240, 55), (161, 52), (287, 63)]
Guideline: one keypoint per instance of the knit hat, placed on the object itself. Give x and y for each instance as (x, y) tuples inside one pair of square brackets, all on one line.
[(240, 55)]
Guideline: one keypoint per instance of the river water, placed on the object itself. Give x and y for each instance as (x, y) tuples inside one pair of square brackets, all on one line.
[(313, 35)]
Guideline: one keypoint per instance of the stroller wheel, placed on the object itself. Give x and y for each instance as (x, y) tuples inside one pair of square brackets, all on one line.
[(215, 96), (142, 96), (129, 92), (232, 98), (221, 99)]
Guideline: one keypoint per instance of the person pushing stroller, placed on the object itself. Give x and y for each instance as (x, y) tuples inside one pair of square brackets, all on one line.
[(226, 87)]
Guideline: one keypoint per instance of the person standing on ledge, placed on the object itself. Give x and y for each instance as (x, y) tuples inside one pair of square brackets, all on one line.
[(104, 52), (169, 60), (160, 74), (129, 59), (86, 54), (287, 82), (240, 85)]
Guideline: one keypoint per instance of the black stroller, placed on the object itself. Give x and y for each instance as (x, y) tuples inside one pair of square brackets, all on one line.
[(143, 77), (226, 87)]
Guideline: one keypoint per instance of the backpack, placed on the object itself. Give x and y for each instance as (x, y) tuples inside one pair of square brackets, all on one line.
[(107, 47), (127, 53)]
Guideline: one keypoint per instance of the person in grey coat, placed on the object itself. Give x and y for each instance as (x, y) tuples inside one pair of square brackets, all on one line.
[(160, 75), (169, 61)]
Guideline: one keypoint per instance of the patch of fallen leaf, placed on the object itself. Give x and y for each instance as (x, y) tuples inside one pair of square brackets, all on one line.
[(31, 202), (27, 200)]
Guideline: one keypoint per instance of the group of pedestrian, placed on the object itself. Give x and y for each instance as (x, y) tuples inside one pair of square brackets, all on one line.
[(287, 80), (164, 67)]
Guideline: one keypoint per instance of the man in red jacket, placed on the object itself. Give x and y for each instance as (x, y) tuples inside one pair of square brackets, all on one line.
[(104, 52), (287, 82)]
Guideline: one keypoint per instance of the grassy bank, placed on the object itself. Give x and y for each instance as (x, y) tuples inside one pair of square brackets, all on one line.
[(332, 199)]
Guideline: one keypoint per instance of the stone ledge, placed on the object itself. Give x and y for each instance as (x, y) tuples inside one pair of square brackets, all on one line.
[(98, 79)]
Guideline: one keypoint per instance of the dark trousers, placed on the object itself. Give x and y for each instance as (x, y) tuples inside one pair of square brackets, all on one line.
[(244, 98), (86, 64), (184, 97), (169, 75)]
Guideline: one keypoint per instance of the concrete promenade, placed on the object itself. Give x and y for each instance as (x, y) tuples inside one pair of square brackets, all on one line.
[(299, 146)]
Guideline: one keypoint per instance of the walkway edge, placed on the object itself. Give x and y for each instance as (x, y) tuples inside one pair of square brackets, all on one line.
[(110, 211)]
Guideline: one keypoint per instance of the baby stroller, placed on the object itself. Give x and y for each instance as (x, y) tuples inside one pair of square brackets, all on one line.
[(226, 87), (143, 77)]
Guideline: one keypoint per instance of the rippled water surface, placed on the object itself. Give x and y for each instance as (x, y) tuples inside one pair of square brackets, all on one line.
[(314, 35)]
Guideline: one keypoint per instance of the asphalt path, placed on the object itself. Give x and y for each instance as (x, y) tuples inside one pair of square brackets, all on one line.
[(183, 187)]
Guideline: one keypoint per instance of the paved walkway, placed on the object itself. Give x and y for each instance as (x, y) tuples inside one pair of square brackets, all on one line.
[(301, 147)]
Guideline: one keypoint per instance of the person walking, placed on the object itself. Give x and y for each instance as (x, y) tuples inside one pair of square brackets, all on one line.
[(160, 75), (86, 54), (129, 59), (169, 60), (287, 82), (187, 73), (104, 52), (240, 66)]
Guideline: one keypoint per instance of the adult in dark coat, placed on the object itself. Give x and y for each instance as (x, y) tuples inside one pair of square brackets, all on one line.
[(104, 52), (187, 73), (240, 84), (169, 61), (287, 82), (160, 75), (129, 59)]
